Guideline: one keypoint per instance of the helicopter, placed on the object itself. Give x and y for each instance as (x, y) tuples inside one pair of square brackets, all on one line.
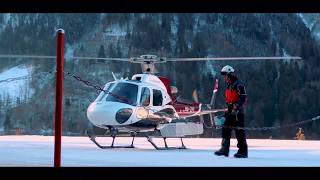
[(147, 103)]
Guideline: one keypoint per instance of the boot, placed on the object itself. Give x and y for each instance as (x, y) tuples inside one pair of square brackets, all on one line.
[(224, 150), (242, 152)]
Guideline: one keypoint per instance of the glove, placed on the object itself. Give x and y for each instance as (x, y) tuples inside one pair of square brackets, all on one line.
[(225, 114), (234, 112)]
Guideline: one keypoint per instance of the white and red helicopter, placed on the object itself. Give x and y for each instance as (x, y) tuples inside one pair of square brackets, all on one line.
[(147, 102)]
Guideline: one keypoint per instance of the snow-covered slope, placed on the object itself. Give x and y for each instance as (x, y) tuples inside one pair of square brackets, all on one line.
[(17, 88), (311, 21), (80, 151)]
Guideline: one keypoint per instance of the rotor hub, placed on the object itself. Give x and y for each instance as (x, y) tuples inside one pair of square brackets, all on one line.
[(148, 59)]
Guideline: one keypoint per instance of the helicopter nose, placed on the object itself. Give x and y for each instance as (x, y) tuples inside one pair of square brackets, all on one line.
[(105, 114), (99, 115)]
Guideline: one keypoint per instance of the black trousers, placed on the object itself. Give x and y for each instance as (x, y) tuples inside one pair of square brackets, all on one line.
[(232, 120)]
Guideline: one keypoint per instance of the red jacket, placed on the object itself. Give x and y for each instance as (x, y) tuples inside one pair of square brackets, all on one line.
[(235, 95)]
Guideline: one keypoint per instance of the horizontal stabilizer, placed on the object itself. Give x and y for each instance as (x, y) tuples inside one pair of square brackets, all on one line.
[(204, 112)]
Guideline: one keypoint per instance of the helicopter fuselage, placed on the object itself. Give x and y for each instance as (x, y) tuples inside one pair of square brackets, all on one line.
[(139, 104)]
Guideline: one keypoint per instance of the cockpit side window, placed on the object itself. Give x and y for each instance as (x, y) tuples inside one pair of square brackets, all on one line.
[(145, 97), (157, 97)]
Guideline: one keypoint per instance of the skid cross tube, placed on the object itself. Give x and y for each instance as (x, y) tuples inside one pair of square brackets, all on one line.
[(93, 139), (165, 143)]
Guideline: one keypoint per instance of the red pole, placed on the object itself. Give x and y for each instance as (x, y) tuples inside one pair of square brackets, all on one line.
[(59, 93)]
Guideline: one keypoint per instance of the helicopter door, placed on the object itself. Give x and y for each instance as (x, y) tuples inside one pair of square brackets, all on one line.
[(157, 100), (157, 97), (145, 97)]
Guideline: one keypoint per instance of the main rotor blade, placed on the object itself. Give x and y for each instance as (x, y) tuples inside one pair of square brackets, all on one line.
[(232, 58), (168, 59), (26, 56), (53, 57), (99, 58)]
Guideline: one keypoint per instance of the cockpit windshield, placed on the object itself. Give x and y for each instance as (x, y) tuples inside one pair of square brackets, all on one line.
[(124, 93)]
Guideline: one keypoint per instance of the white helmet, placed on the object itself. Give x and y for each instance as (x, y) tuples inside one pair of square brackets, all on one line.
[(227, 70)]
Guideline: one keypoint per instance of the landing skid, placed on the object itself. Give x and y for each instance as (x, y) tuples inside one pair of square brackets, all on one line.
[(93, 139), (165, 144)]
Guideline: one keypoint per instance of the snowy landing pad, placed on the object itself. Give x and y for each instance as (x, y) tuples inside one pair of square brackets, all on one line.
[(25, 151)]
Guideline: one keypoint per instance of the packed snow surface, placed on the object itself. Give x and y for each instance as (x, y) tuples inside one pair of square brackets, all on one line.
[(80, 151)]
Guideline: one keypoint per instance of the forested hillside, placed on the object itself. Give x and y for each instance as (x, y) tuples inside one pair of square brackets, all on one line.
[(279, 93)]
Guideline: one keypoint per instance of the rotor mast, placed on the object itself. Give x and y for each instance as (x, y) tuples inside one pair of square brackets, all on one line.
[(147, 62)]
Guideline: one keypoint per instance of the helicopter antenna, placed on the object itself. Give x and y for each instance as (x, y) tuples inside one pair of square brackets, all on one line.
[(114, 76)]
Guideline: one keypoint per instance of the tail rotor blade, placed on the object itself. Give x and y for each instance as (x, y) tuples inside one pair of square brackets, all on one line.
[(195, 96), (215, 90), (196, 99)]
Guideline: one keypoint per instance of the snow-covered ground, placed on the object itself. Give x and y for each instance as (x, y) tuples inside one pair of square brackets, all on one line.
[(80, 151)]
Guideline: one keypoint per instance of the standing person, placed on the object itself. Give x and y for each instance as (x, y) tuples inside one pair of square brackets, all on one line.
[(235, 97)]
